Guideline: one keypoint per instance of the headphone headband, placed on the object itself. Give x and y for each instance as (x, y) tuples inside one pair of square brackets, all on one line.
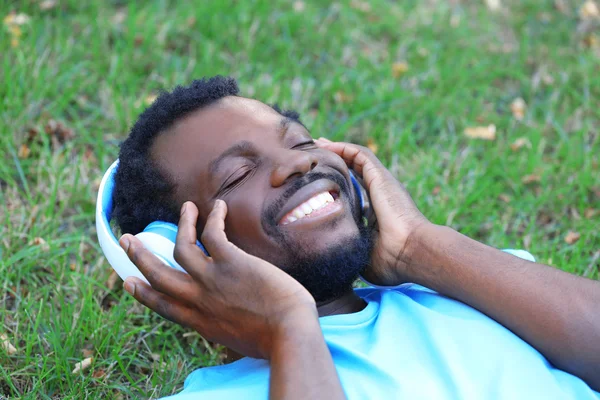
[(115, 255)]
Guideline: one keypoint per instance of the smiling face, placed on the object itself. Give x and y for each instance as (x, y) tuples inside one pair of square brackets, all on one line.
[(289, 202)]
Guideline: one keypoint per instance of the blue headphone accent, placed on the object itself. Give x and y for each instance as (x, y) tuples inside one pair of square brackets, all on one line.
[(358, 189), (169, 231)]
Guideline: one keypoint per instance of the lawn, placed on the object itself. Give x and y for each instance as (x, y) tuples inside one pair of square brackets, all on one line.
[(415, 80)]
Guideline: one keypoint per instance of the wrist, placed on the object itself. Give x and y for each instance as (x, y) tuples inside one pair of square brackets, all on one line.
[(294, 328), (418, 250), (430, 250)]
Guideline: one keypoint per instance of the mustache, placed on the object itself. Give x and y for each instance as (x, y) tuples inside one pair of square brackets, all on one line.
[(272, 210)]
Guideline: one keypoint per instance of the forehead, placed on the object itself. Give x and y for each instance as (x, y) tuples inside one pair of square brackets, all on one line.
[(186, 149)]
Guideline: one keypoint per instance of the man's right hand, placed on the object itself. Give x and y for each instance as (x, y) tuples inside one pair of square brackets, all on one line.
[(231, 297), (398, 218)]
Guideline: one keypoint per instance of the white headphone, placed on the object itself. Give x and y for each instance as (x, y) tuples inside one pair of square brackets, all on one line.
[(158, 237)]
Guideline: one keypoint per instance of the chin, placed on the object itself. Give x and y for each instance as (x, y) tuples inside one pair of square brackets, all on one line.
[(327, 268)]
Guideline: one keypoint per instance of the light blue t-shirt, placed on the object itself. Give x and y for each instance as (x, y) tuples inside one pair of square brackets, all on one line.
[(411, 343)]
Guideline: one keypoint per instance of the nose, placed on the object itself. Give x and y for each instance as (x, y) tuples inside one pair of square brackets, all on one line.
[(292, 163)]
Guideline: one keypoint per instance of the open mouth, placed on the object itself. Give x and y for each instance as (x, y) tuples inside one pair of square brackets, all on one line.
[(319, 204)]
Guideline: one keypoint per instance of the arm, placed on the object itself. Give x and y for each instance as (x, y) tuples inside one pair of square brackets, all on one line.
[(556, 312), (301, 366), (259, 310)]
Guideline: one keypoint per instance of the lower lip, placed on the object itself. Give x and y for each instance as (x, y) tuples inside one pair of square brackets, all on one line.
[(329, 211)]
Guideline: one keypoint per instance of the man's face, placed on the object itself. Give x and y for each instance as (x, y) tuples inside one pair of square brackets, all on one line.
[(289, 202)]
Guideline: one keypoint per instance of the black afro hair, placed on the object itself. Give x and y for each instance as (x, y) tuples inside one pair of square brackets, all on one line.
[(142, 194)]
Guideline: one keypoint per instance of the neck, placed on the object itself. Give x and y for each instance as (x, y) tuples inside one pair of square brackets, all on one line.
[(348, 303)]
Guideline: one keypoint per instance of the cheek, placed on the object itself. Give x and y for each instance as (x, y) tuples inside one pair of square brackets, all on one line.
[(243, 225)]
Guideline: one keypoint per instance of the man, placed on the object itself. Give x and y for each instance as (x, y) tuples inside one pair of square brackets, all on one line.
[(283, 228)]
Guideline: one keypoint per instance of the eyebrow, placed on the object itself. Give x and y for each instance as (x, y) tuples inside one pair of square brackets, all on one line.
[(284, 124)]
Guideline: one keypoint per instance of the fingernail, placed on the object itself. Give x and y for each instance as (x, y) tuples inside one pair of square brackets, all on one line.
[(129, 287), (125, 243), (217, 203), (322, 139), (183, 207)]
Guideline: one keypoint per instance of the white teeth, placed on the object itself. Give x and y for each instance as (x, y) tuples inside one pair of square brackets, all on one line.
[(306, 208), (314, 203)]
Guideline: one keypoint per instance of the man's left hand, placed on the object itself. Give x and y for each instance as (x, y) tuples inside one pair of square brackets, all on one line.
[(398, 218)]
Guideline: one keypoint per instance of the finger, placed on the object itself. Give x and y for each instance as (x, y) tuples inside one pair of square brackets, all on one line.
[(186, 253), (166, 306), (360, 159), (214, 237), (162, 277)]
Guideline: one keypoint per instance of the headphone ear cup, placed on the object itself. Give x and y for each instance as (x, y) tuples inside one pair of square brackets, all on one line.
[(365, 203), (161, 247), (160, 237)]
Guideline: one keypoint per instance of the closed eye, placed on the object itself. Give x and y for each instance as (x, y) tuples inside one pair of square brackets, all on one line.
[(310, 143), (237, 179)]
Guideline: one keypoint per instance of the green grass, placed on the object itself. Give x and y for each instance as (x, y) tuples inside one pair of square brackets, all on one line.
[(79, 65)]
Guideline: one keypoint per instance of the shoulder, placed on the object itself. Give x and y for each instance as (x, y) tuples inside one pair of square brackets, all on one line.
[(247, 378)]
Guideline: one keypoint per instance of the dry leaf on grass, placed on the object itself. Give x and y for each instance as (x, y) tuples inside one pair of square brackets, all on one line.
[(38, 241), (13, 23), (150, 98), (87, 353), (58, 131), (504, 197), (299, 6), (83, 365), (98, 374), (372, 145), (6, 345), (561, 6), (572, 237), (341, 97), (119, 17), (16, 19), (527, 179), (47, 5), (591, 213), (363, 6), (24, 151), (493, 5), (589, 10), (399, 68), (520, 143), (518, 107), (481, 132)]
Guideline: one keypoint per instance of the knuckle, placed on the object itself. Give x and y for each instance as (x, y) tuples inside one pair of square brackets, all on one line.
[(165, 309), (179, 253), (153, 276), (208, 236)]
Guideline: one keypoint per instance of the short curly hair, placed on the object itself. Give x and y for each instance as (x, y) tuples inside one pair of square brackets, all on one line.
[(142, 194)]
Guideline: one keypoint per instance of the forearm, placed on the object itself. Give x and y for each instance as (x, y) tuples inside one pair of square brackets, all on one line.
[(554, 311), (301, 365)]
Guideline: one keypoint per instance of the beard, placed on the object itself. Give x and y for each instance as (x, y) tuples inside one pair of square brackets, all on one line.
[(326, 275), (329, 275)]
